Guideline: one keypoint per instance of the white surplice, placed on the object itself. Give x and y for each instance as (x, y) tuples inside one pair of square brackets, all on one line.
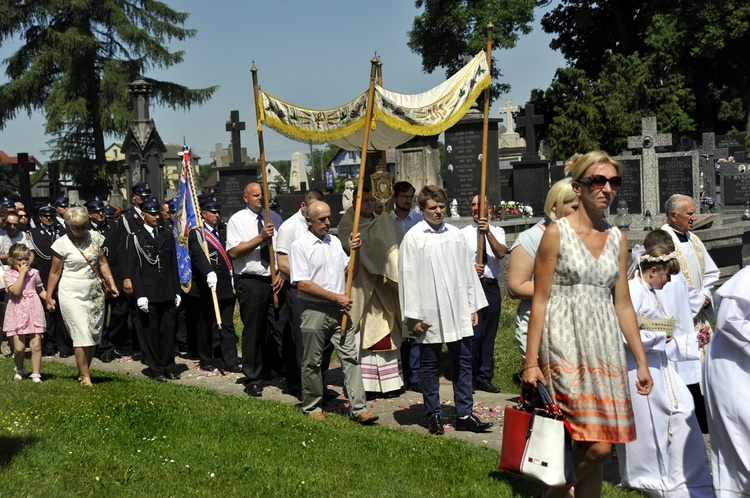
[(726, 376), (668, 458), (685, 353), (437, 283)]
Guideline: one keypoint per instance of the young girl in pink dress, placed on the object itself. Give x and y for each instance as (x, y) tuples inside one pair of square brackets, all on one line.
[(24, 315)]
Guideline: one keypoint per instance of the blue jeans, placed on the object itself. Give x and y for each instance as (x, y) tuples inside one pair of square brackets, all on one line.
[(485, 332)]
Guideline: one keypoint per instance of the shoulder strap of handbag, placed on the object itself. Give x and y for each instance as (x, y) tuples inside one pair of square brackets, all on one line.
[(93, 268)]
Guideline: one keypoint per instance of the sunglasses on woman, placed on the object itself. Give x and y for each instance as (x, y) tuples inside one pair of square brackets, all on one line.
[(599, 181)]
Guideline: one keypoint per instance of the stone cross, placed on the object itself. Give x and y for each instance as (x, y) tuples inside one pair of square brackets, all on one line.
[(528, 120), (218, 154), (647, 142), (508, 110), (235, 126), (709, 155)]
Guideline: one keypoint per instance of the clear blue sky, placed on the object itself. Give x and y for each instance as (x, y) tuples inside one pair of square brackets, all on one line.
[(314, 54)]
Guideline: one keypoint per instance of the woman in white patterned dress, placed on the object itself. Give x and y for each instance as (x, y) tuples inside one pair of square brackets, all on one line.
[(581, 305), (81, 294)]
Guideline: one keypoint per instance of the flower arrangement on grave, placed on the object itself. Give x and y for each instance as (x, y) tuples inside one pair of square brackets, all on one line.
[(514, 208), (709, 203), (717, 166)]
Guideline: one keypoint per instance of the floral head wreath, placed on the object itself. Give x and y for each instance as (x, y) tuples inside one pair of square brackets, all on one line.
[(639, 256)]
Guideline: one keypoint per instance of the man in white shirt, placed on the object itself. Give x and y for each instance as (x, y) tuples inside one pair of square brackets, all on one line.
[(292, 229), (701, 273), (440, 295), (405, 219), (247, 244), (318, 268), (485, 332)]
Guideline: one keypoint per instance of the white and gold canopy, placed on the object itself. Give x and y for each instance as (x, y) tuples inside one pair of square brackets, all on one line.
[(396, 117)]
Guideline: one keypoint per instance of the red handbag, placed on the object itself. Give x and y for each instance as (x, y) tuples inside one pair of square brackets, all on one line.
[(537, 443)]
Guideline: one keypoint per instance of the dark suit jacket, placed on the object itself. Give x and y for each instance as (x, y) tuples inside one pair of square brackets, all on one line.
[(202, 267), (43, 240), (158, 282), (129, 222)]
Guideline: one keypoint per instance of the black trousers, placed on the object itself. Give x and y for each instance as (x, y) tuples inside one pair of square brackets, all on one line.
[(255, 296), (216, 346), (116, 333), (56, 334), (158, 336)]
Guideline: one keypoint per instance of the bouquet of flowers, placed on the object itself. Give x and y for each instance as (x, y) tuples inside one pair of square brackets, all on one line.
[(516, 208), (710, 202), (704, 336)]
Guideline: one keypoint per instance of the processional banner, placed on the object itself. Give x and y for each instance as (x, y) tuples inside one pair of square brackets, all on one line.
[(396, 117)]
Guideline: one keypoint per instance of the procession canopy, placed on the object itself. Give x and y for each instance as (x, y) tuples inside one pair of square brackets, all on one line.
[(396, 117)]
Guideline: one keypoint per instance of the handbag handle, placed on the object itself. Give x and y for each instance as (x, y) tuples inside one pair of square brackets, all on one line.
[(552, 408)]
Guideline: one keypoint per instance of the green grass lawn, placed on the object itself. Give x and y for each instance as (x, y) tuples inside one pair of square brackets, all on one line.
[(132, 437)]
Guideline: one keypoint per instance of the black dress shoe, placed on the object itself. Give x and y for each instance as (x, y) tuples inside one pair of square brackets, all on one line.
[(49, 350), (106, 358), (173, 376), (487, 387), (472, 423), (207, 368), (66, 355), (416, 387), (233, 369), (160, 378), (254, 389), (436, 425)]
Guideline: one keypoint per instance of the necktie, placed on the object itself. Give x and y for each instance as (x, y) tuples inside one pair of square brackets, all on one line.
[(265, 255)]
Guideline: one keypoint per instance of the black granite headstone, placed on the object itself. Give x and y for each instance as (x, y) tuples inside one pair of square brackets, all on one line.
[(675, 177), (531, 183), (733, 143), (735, 184), (506, 184), (232, 183), (631, 190), (556, 173), (463, 151)]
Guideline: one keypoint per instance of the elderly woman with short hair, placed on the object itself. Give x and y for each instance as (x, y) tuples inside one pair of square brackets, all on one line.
[(77, 264)]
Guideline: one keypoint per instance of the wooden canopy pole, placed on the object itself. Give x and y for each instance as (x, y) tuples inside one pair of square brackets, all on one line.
[(360, 185), (485, 133), (264, 183)]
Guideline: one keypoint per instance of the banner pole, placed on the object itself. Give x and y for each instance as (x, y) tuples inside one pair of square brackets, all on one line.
[(264, 184), (485, 133), (360, 184)]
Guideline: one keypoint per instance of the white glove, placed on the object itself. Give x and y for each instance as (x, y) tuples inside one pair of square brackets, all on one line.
[(212, 280), (177, 301), (142, 304)]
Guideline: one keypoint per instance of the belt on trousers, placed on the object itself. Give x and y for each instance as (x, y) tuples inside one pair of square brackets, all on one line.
[(488, 280)]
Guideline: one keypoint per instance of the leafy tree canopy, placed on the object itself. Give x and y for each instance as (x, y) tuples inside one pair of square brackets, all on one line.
[(76, 60), (449, 30)]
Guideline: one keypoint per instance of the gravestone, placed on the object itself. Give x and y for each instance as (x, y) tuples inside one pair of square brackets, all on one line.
[(735, 183), (647, 141), (556, 173), (632, 185), (709, 155), (232, 183), (463, 152), (528, 120), (298, 181), (510, 139), (418, 162), (23, 168), (505, 179), (530, 174), (679, 173), (235, 126), (220, 156), (735, 145)]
